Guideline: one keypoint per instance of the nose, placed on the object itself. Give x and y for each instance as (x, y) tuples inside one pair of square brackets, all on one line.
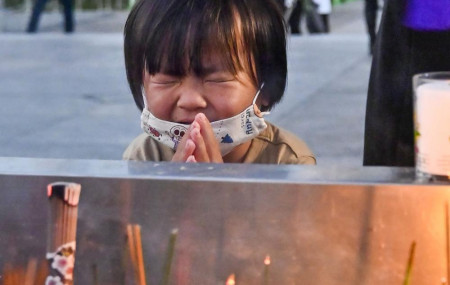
[(191, 96)]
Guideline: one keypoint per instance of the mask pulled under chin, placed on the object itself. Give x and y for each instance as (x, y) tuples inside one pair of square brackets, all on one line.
[(229, 132)]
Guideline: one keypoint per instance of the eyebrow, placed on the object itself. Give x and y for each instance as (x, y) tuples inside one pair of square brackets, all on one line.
[(207, 70), (201, 70)]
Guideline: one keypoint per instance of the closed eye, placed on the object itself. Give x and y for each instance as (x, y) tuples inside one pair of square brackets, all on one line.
[(165, 82), (163, 79), (219, 80)]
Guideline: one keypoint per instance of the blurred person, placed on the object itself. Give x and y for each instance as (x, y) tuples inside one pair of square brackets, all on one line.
[(370, 14), (316, 13), (294, 19), (324, 10), (414, 37), (38, 8)]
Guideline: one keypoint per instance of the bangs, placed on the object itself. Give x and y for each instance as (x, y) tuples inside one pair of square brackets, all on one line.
[(192, 33)]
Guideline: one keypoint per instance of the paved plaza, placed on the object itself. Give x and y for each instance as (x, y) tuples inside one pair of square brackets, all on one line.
[(66, 96)]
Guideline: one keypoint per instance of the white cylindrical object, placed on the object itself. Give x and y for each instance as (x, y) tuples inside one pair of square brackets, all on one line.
[(432, 128)]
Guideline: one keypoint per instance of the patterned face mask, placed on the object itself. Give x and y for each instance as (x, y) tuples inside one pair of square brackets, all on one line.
[(229, 132)]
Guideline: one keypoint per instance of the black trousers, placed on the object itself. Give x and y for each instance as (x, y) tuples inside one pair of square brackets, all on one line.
[(370, 13), (295, 18), (39, 6), (315, 23)]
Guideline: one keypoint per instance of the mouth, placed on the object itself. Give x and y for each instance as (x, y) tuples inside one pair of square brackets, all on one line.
[(183, 122)]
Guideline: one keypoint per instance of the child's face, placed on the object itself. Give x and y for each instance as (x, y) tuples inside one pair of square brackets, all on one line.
[(218, 94)]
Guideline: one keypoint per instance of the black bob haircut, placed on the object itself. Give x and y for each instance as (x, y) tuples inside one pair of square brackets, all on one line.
[(174, 35)]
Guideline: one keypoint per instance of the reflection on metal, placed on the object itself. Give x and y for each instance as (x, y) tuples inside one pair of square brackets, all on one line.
[(318, 225)]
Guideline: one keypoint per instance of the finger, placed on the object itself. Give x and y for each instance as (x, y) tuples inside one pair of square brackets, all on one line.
[(201, 152), (184, 150), (209, 138), (182, 153), (191, 159)]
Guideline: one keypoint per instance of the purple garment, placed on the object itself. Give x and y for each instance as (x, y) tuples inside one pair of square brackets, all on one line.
[(428, 15)]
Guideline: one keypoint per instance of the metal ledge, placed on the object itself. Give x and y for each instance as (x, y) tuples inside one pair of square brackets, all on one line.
[(206, 172)]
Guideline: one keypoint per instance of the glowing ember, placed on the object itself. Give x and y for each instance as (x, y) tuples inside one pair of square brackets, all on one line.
[(267, 260), (230, 280)]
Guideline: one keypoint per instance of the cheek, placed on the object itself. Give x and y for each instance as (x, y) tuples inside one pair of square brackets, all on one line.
[(159, 104), (231, 104)]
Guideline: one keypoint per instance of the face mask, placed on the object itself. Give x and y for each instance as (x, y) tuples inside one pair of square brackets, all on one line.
[(229, 132)]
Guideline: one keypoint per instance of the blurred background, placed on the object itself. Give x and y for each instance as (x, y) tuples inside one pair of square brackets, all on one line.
[(65, 95)]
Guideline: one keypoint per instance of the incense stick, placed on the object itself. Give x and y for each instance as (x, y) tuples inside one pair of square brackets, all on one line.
[(266, 270), (136, 255), (131, 249), (30, 274), (140, 257), (410, 264), (447, 240), (169, 257), (61, 239)]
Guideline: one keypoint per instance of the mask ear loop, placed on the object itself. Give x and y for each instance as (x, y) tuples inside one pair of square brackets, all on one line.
[(256, 97), (257, 93), (143, 97)]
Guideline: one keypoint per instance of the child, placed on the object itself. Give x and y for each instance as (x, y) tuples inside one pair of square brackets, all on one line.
[(204, 73)]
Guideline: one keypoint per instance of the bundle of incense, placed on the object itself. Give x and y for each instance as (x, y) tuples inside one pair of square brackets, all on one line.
[(231, 280), (266, 270), (409, 266), (31, 275), (169, 257), (135, 250), (62, 226)]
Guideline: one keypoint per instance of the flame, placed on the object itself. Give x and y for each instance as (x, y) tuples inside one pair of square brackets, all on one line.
[(230, 280), (267, 260)]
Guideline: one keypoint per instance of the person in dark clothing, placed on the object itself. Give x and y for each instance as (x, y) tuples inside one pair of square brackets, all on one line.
[(370, 13), (39, 6), (407, 44), (295, 18), (316, 23)]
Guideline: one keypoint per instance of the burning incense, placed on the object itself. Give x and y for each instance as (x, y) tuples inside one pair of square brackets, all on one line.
[(61, 239), (169, 257), (410, 264), (266, 270), (135, 250), (231, 280)]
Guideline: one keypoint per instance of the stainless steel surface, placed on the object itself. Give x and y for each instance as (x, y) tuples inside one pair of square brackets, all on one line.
[(225, 172), (335, 226)]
